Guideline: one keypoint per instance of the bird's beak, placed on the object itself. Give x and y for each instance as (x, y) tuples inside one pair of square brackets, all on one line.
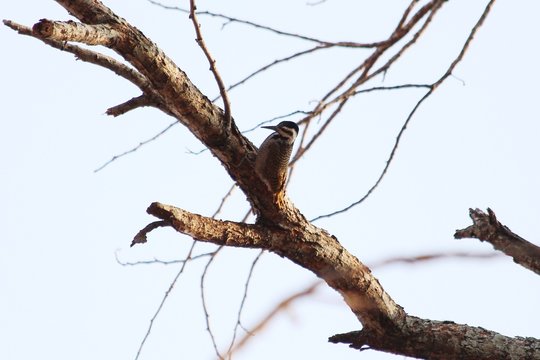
[(270, 127)]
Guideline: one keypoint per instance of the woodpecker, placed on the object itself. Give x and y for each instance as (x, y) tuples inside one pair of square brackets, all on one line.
[(272, 159)]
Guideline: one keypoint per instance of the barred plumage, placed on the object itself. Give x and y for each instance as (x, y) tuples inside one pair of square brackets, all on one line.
[(273, 157)]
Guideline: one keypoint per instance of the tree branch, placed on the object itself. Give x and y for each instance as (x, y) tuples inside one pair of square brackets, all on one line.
[(386, 326), (486, 227), (319, 252), (131, 104), (88, 56), (444, 340)]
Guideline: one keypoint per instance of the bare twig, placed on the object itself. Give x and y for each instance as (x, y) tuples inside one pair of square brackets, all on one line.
[(348, 44), (212, 62), (282, 305), (432, 88), (414, 260), (158, 261), (205, 307), (279, 117), (242, 303), (132, 150), (231, 19), (273, 63), (140, 237), (326, 102), (225, 197), (165, 297)]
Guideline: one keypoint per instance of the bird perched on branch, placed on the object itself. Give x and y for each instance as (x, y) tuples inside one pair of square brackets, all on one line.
[(273, 157)]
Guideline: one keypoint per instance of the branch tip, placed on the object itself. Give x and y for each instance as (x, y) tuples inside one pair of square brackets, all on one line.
[(141, 238)]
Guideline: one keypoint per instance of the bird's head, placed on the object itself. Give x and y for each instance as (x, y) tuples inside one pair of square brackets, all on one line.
[(286, 129)]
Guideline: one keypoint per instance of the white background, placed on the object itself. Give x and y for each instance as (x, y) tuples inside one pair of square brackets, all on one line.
[(474, 143)]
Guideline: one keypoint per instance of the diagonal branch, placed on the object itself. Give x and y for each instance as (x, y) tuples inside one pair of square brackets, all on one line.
[(386, 326), (89, 56), (486, 227), (181, 99)]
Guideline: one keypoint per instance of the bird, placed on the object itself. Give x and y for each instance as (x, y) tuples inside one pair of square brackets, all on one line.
[(272, 159)]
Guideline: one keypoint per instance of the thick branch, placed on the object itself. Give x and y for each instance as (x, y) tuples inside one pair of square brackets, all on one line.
[(206, 229), (486, 227), (309, 247), (386, 326), (445, 340)]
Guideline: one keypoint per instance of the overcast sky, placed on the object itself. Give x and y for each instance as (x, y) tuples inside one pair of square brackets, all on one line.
[(474, 143)]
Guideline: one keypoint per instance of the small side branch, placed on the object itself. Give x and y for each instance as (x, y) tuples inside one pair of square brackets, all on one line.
[(89, 56), (140, 238), (486, 227), (131, 104), (212, 62), (206, 229)]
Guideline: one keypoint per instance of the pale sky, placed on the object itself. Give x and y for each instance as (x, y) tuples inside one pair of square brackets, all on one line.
[(474, 143)]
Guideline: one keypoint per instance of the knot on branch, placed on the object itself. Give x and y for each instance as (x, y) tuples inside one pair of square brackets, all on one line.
[(100, 34), (484, 227), (44, 28)]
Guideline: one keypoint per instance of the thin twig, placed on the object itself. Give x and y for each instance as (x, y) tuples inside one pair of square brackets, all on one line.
[(212, 62), (429, 257), (165, 297), (282, 305), (279, 117), (386, 167), (140, 237), (325, 103), (225, 197), (230, 19), (433, 87), (205, 307), (242, 303), (158, 261), (272, 64), (132, 150)]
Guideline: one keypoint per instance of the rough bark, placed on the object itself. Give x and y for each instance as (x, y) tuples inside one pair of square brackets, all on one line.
[(487, 228), (282, 229)]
